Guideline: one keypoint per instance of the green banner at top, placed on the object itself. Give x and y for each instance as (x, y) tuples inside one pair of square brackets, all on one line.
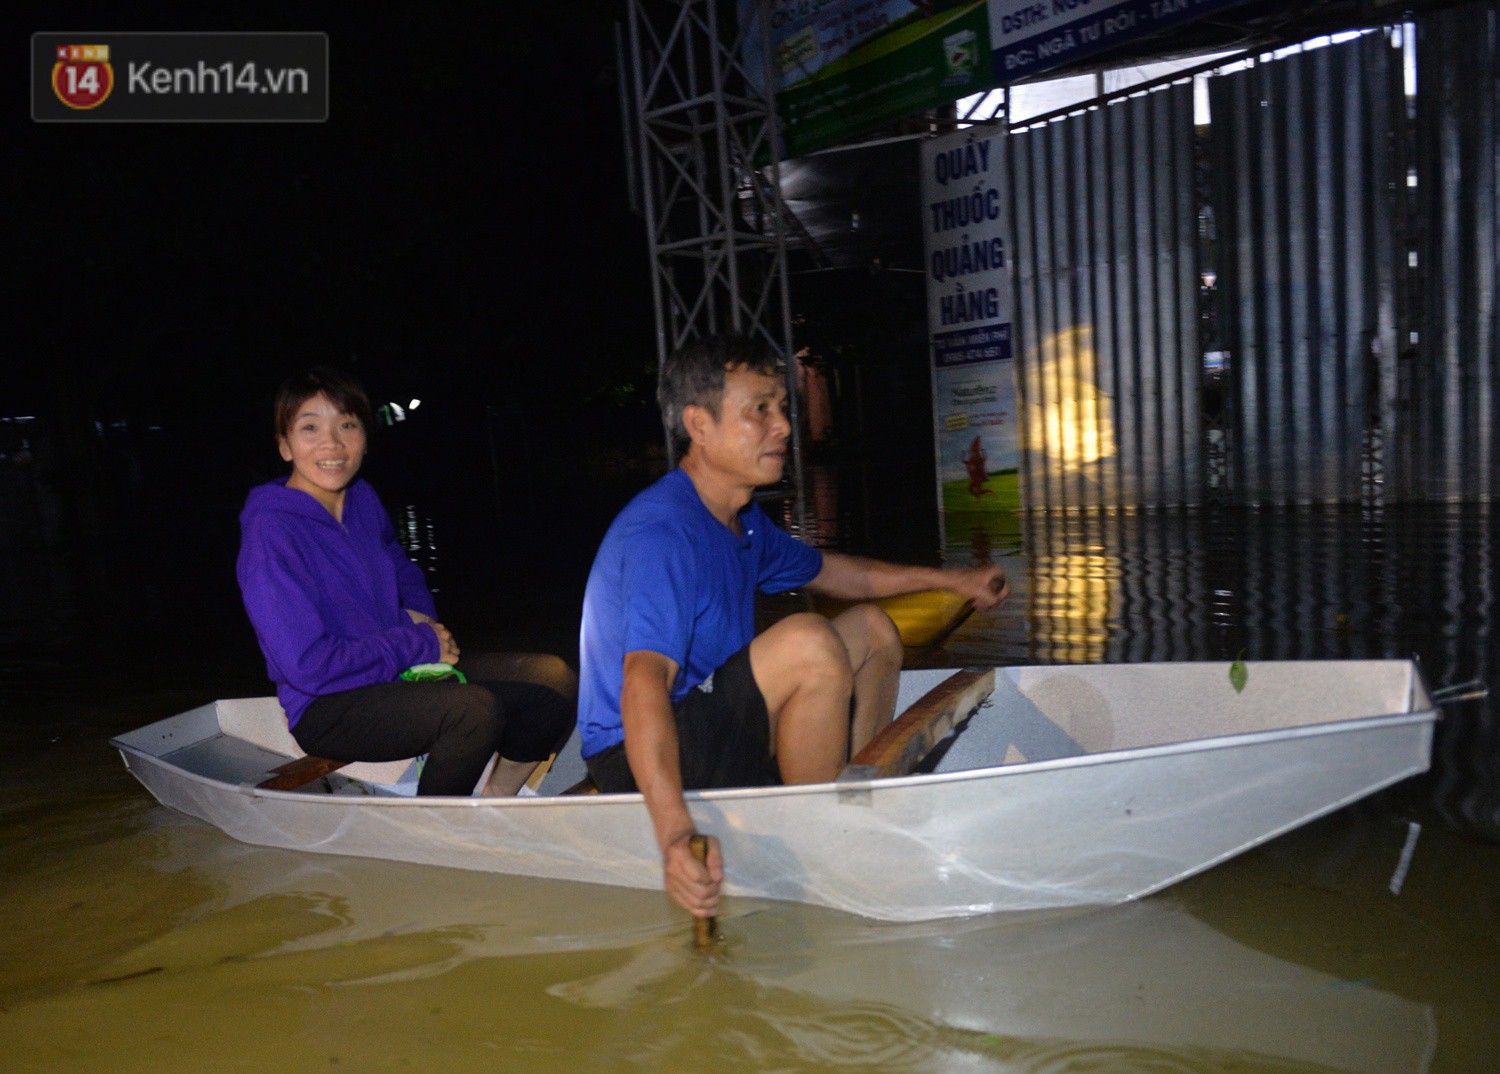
[(839, 67), (842, 66)]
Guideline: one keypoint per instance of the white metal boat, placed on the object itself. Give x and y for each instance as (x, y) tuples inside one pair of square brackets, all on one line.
[(1071, 786)]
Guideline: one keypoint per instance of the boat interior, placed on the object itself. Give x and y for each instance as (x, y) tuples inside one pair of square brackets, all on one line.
[(1045, 713)]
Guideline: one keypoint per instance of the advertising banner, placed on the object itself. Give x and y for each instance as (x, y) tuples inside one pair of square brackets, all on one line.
[(839, 67), (1029, 38), (969, 319), (842, 66)]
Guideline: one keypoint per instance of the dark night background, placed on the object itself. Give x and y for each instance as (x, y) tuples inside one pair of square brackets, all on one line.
[(456, 232)]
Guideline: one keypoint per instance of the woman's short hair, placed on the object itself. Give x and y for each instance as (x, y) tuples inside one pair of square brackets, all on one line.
[(694, 376), (342, 390)]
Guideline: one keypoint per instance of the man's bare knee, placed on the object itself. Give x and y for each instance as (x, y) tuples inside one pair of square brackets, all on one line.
[(869, 633), (885, 637), (801, 652), (803, 640), (807, 679)]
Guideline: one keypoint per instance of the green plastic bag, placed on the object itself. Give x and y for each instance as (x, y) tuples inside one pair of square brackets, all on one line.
[(432, 673)]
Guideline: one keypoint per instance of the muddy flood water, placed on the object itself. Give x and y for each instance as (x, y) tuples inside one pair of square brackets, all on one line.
[(138, 939)]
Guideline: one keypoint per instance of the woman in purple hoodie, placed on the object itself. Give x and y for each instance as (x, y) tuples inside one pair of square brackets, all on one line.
[(340, 611)]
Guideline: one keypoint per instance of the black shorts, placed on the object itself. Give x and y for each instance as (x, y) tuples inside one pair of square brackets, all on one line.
[(723, 736)]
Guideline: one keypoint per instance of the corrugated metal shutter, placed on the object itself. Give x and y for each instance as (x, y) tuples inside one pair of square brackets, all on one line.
[(1304, 153), (1455, 388), (1108, 361)]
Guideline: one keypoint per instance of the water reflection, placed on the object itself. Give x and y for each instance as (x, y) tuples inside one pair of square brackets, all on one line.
[(417, 533), (342, 961)]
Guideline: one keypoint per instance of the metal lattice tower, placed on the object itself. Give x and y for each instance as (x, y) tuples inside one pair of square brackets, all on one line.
[(704, 172)]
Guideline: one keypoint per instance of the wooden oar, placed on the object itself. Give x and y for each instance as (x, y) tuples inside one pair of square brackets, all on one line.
[(704, 928), (903, 743)]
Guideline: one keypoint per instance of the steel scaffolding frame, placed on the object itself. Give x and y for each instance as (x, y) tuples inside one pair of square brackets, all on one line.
[(704, 157)]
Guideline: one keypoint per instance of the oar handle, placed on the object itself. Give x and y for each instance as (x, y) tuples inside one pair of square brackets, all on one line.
[(703, 927), (1473, 690)]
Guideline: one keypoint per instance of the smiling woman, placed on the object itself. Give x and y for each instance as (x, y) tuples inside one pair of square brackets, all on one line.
[(323, 437), (340, 613)]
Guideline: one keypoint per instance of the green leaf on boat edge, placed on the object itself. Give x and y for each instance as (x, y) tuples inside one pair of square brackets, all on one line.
[(1239, 674)]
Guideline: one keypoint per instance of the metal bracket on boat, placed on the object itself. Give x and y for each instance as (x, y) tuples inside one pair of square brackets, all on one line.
[(856, 773)]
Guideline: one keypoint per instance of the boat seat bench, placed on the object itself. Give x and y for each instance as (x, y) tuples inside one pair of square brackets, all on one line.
[(298, 773)]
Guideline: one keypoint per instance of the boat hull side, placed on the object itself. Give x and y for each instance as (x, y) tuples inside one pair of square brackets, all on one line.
[(1089, 831)]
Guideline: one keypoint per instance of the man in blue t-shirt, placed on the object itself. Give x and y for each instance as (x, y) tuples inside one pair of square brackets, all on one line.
[(677, 691)]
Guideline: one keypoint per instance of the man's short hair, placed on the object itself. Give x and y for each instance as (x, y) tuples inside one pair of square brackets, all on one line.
[(342, 390), (694, 376)]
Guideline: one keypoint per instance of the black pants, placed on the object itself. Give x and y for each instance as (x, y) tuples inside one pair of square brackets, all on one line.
[(519, 705), (723, 736)]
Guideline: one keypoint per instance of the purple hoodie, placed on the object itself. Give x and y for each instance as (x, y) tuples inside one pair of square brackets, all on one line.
[(328, 599)]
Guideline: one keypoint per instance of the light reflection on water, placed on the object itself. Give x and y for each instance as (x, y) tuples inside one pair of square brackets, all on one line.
[(417, 533)]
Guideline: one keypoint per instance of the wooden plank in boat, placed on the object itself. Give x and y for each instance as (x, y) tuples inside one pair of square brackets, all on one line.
[(298, 773), (900, 747)]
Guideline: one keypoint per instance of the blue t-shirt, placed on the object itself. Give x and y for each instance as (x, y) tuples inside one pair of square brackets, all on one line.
[(672, 579)]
